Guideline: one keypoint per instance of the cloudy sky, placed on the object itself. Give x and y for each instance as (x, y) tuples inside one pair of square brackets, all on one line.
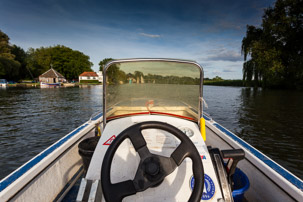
[(207, 31)]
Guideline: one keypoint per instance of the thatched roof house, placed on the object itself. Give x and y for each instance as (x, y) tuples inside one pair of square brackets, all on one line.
[(51, 76)]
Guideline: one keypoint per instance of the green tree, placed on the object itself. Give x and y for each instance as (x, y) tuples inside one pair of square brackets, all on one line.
[(273, 53), (70, 63), (9, 67), (217, 78), (138, 76), (250, 70), (21, 57), (113, 74), (103, 62)]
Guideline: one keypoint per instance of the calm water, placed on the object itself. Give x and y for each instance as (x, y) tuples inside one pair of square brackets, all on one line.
[(33, 119)]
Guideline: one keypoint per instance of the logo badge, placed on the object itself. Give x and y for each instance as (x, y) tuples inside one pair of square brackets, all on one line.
[(209, 187)]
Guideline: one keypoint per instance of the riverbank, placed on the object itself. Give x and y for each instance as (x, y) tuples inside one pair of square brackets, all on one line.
[(238, 83), (24, 85), (30, 85)]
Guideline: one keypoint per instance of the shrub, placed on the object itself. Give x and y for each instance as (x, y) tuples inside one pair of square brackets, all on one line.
[(89, 81)]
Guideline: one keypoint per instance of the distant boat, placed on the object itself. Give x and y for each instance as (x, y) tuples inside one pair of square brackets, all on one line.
[(3, 83), (47, 85)]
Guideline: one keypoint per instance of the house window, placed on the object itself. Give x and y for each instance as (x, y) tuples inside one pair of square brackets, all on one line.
[(88, 77)]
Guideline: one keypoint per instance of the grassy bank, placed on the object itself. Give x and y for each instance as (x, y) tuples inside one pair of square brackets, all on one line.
[(24, 85), (206, 82), (89, 82), (85, 84), (224, 83)]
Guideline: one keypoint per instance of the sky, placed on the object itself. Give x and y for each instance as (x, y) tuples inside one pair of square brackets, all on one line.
[(207, 31)]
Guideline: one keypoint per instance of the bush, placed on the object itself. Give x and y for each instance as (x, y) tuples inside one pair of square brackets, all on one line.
[(89, 81), (224, 83)]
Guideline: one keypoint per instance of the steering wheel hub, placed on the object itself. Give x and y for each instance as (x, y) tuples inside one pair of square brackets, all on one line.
[(152, 166)]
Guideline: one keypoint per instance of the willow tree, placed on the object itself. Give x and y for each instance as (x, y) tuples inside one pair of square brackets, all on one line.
[(250, 69), (273, 53)]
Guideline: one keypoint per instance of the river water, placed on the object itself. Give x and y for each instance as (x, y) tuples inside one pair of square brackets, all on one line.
[(31, 119)]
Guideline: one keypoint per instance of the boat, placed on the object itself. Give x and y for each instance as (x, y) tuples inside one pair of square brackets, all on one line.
[(49, 85), (3, 83), (151, 142)]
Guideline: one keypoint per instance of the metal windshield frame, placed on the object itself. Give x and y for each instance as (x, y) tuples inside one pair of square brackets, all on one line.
[(200, 110)]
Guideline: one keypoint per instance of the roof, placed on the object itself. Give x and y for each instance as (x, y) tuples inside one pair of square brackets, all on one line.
[(89, 74), (51, 73)]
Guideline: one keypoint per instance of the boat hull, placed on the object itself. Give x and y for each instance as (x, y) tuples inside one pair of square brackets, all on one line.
[(49, 175), (49, 85), (268, 180)]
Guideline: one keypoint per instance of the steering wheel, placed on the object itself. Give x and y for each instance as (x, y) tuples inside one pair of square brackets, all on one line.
[(152, 168)]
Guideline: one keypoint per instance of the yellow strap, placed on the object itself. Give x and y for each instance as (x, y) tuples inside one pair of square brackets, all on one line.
[(99, 131), (202, 128)]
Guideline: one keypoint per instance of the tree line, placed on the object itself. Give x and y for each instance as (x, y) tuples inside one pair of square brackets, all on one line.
[(117, 76), (17, 64), (273, 53)]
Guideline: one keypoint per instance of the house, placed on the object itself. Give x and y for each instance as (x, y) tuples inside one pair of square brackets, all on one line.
[(100, 75), (91, 76), (51, 76)]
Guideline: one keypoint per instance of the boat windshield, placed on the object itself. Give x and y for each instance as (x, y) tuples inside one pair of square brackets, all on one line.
[(152, 87)]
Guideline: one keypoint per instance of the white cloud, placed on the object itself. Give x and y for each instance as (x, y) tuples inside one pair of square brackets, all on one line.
[(227, 70), (225, 55), (150, 35)]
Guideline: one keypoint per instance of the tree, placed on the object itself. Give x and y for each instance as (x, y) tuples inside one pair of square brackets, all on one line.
[(138, 76), (16, 64), (9, 67), (68, 62), (275, 50), (21, 57), (103, 62), (217, 78), (250, 70)]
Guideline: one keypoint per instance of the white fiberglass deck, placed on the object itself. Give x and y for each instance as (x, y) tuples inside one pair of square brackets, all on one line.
[(175, 187)]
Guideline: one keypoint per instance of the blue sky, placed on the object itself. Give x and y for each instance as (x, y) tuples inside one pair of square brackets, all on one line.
[(209, 32)]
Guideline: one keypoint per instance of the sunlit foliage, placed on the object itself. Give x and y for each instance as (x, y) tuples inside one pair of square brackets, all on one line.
[(68, 62), (273, 53), (16, 64)]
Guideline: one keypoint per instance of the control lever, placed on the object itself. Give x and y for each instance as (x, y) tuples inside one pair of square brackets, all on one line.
[(234, 156)]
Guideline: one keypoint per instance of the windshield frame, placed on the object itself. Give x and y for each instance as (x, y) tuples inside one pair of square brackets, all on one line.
[(200, 110)]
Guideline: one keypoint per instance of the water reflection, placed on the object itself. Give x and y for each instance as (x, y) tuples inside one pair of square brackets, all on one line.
[(33, 119), (272, 121), (269, 120)]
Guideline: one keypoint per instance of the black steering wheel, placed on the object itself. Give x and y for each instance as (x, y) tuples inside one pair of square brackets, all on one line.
[(152, 168)]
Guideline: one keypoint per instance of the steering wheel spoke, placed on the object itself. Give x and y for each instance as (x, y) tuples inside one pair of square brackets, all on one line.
[(126, 188), (144, 152), (136, 137), (169, 165), (180, 153)]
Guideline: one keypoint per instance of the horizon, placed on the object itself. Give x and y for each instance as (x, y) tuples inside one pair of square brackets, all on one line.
[(194, 30)]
